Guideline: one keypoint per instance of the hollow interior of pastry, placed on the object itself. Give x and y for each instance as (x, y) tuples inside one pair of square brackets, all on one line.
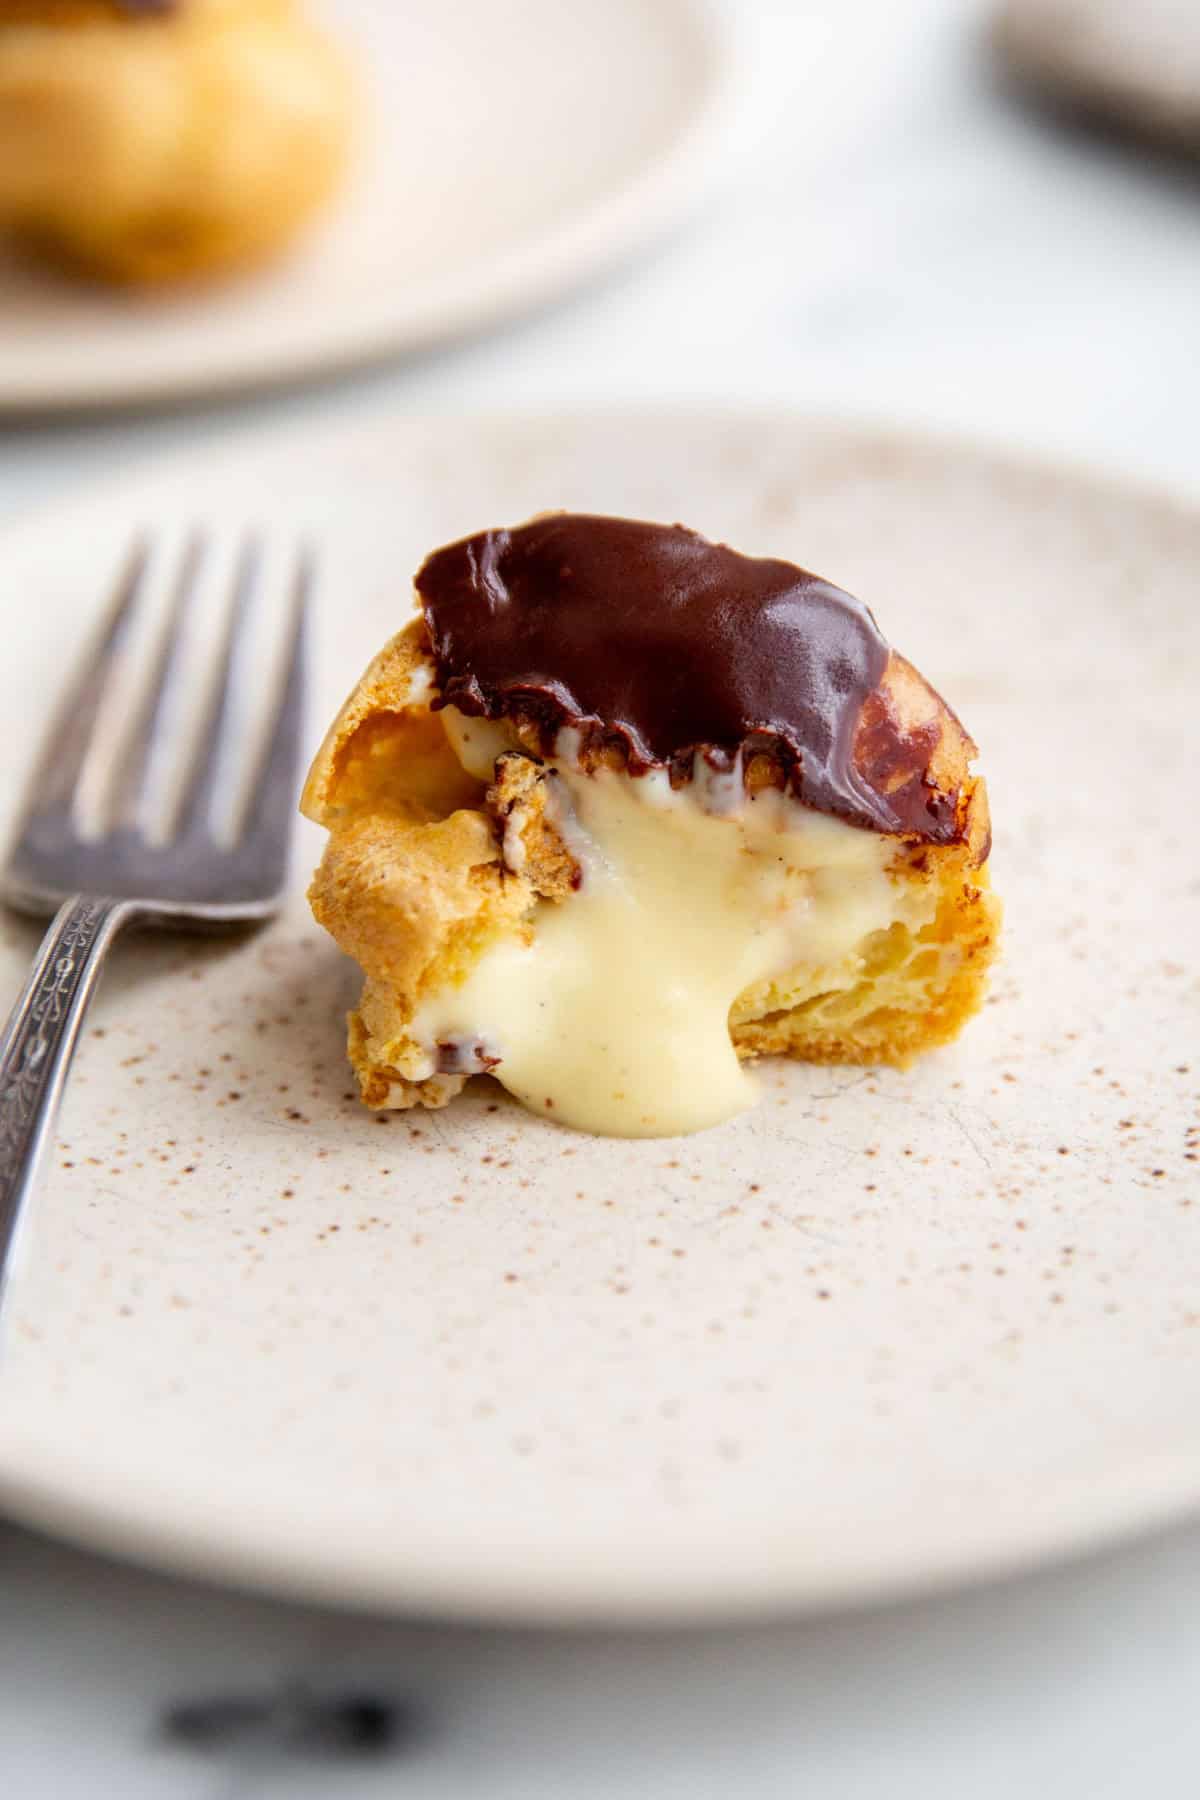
[(615, 947)]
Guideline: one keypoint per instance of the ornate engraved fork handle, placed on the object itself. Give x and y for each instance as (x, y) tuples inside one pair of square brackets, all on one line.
[(37, 1047)]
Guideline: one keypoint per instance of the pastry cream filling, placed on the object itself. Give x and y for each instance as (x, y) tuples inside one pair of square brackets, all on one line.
[(614, 1017)]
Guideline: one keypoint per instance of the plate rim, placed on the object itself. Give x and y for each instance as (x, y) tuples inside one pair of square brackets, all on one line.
[(1142, 1497)]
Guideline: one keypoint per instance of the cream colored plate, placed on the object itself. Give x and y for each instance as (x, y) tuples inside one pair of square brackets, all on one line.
[(510, 152), (886, 1330)]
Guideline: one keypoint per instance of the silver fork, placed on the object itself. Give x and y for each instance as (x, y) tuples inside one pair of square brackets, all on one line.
[(191, 874)]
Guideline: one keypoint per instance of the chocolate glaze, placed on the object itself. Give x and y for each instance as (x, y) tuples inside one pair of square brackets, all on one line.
[(26, 13), (465, 1056), (655, 638)]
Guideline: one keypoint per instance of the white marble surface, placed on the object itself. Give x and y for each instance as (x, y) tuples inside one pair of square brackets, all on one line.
[(1081, 1683), (896, 239)]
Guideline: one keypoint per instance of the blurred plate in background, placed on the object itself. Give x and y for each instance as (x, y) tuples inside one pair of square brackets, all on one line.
[(887, 1329), (510, 153)]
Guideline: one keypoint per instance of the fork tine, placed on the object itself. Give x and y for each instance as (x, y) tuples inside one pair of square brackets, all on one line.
[(56, 780), (194, 817), (132, 786), (267, 825)]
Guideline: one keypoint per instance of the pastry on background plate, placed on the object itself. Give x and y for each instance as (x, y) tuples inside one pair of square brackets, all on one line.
[(153, 141), (622, 809)]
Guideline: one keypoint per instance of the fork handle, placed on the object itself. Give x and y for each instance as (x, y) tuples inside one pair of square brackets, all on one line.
[(37, 1047)]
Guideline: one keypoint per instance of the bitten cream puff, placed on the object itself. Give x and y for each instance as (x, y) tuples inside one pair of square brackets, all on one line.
[(622, 809)]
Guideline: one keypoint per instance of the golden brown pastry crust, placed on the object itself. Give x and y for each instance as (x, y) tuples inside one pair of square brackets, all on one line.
[(916, 986), (154, 147), (420, 876)]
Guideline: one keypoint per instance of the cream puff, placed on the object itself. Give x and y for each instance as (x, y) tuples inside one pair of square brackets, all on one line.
[(621, 810), (156, 141)]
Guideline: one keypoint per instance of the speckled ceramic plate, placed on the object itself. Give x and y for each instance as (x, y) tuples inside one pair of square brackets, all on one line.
[(885, 1330), (454, 216)]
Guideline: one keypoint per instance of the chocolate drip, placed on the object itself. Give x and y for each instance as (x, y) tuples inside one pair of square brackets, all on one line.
[(24, 12), (653, 637)]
